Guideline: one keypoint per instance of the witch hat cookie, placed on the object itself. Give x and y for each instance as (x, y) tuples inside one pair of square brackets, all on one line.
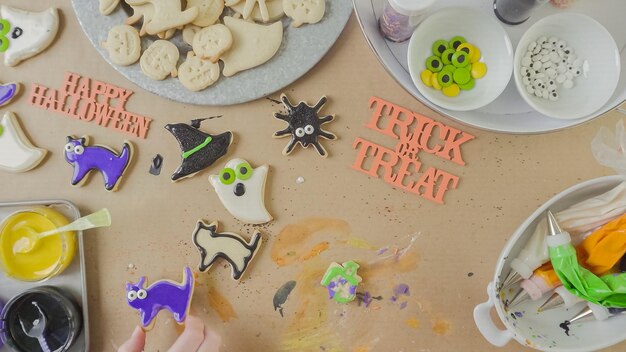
[(17, 154), (199, 149)]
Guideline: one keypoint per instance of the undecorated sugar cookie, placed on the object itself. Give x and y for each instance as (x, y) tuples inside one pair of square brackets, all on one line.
[(189, 32), (211, 42), (196, 74), (8, 91), (304, 11), (242, 191), (305, 125), (249, 6), (86, 158), (231, 2), (274, 10), (162, 294), (107, 6), (123, 45), (209, 11), (199, 149), (253, 44), (25, 34), (17, 153), (167, 14), (159, 60), (226, 245)]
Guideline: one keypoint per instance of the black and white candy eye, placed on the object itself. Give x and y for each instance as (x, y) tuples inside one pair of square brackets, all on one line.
[(16, 33), (300, 132), (79, 149), (131, 295), (142, 294), (69, 147), (308, 129)]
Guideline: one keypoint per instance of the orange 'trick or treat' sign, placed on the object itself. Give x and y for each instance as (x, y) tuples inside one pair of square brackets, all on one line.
[(92, 101), (401, 166)]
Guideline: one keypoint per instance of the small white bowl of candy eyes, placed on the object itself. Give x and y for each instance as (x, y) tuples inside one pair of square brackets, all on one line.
[(566, 66)]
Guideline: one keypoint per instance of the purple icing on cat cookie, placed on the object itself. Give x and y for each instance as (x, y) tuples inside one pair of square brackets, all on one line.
[(7, 92), (86, 158), (162, 294)]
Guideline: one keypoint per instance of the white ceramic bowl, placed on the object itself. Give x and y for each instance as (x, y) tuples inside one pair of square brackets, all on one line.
[(541, 330), (479, 29), (592, 43)]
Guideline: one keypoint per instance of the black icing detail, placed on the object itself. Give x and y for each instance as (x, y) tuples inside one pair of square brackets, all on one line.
[(298, 117), (17, 32), (155, 166), (211, 231), (240, 189), (188, 138)]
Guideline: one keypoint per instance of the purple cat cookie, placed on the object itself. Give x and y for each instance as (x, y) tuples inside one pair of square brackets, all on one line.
[(163, 294), (86, 158)]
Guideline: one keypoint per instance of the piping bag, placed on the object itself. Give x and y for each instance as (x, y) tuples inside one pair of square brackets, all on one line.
[(577, 219), (607, 290)]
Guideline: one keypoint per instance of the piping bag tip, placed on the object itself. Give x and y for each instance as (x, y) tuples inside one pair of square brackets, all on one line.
[(584, 315), (553, 225), (520, 296), (554, 301), (511, 279)]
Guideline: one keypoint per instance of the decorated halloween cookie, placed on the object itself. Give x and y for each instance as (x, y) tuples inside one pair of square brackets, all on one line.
[(86, 158), (123, 45), (226, 245), (25, 34), (304, 125), (166, 14), (8, 91), (242, 191), (159, 60), (196, 73), (199, 149), (211, 42), (342, 281), (304, 11), (253, 44), (17, 154), (162, 294)]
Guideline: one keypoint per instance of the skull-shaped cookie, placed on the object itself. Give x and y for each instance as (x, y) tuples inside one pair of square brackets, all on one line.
[(304, 11)]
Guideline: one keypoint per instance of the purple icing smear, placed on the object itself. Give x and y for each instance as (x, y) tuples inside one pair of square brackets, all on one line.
[(86, 158), (162, 294), (7, 92)]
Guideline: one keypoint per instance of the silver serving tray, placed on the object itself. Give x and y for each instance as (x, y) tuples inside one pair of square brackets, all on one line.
[(300, 50), (509, 113), (72, 279)]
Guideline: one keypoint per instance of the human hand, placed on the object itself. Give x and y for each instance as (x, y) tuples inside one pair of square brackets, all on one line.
[(195, 338)]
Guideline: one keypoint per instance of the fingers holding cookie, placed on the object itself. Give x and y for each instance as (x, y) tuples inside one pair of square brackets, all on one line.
[(211, 42), (159, 60), (123, 45)]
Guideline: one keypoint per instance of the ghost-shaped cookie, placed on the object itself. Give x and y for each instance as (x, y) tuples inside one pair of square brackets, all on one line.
[(25, 34), (242, 191), (17, 153)]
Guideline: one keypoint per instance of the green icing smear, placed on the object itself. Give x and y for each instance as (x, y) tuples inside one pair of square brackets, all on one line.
[(197, 148)]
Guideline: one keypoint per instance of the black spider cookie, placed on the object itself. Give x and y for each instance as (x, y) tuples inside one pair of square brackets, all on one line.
[(304, 125)]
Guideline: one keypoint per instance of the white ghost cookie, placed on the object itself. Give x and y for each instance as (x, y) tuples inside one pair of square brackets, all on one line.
[(211, 42), (166, 14), (123, 45), (304, 11), (274, 9), (209, 11), (242, 191), (18, 154), (196, 74), (189, 32), (107, 6), (25, 34), (159, 60), (253, 44)]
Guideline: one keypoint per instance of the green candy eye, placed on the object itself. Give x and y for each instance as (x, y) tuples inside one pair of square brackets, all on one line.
[(434, 64), (6, 27), (469, 85), (4, 44), (439, 47), (462, 76), (227, 176), (244, 171), (460, 59), (446, 57), (456, 41), (445, 78)]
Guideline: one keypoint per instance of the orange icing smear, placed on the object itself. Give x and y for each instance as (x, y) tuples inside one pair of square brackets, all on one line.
[(48, 257)]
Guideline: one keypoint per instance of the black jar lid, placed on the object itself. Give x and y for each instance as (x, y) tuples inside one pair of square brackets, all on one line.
[(63, 319)]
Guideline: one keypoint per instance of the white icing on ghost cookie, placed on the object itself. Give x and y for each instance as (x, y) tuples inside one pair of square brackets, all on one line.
[(17, 154), (123, 45), (159, 60), (30, 32), (242, 191), (253, 44), (304, 11)]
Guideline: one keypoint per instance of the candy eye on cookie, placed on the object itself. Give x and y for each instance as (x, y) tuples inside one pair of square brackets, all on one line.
[(79, 149), (131, 295), (227, 176), (244, 171), (142, 294)]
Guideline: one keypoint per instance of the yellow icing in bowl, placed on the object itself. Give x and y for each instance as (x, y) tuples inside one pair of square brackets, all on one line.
[(50, 255)]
